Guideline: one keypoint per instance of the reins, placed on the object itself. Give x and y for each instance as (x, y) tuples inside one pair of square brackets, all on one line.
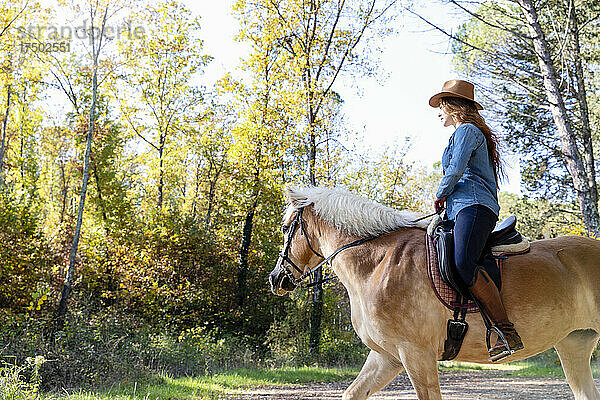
[(430, 215), (326, 260)]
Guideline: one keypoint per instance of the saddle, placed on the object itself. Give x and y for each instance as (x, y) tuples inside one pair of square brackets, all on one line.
[(503, 242)]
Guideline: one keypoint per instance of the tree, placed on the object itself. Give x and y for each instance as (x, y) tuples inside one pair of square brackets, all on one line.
[(584, 185), (98, 16), (315, 42), (535, 81), (159, 95), (12, 64)]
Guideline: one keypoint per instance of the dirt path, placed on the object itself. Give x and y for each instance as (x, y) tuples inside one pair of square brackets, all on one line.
[(465, 385)]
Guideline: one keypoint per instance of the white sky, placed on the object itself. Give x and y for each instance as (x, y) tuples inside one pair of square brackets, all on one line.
[(384, 110)]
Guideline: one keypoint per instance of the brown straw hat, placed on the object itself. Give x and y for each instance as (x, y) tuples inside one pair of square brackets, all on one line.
[(455, 88)]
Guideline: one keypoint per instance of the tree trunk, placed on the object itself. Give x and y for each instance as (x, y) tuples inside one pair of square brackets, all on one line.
[(242, 276), (161, 173), (67, 288), (63, 192), (21, 127), (100, 200), (3, 142), (196, 190), (317, 293), (573, 160), (583, 104), (211, 193)]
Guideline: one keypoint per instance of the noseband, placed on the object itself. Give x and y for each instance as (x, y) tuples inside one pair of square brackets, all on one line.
[(298, 221)]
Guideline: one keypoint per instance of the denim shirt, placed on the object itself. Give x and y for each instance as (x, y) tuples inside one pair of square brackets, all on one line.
[(468, 173)]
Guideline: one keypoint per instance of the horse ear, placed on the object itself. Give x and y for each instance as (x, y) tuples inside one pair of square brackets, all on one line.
[(295, 197)]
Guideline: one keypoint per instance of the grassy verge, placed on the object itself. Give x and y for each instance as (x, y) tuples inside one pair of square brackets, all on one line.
[(216, 386), (213, 386), (518, 369), (219, 385)]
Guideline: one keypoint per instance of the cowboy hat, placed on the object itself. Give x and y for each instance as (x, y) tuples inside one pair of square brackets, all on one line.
[(455, 88)]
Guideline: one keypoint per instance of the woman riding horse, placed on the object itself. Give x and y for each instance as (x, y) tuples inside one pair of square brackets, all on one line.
[(472, 165)]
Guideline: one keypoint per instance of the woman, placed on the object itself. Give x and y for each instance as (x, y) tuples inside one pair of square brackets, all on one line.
[(469, 186)]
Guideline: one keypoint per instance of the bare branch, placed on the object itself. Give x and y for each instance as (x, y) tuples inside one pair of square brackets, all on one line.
[(485, 21), (14, 19)]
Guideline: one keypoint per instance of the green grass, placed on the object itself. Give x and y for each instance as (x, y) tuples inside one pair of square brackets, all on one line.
[(465, 366), (518, 369), (212, 386), (209, 387)]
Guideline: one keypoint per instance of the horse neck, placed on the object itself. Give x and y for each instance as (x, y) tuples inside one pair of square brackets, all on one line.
[(350, 265), (356, 264)]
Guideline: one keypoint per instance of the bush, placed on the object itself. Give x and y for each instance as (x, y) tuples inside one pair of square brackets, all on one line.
[(288, 337), (26, 256), (14, 385), (103, 349), (168, 272)]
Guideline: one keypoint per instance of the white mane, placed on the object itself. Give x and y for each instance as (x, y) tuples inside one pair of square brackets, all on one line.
[(350, 212)]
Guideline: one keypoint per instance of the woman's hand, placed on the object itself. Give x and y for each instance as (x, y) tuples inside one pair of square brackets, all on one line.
[(438, 204)]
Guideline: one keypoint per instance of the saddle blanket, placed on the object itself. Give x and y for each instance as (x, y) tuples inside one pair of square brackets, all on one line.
[(493, 266), (444, 293)]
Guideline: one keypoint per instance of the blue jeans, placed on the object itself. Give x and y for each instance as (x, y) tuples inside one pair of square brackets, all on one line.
[(472, 227)]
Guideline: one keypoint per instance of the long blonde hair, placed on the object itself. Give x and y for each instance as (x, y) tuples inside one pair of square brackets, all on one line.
[(464, 111)]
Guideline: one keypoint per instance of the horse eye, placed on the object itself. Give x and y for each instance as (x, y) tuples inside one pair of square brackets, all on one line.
[(285, 228)]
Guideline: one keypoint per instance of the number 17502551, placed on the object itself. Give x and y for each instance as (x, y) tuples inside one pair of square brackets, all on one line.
[(45, 47)]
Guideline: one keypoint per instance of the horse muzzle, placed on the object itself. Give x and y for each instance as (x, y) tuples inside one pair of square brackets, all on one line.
[(280, 282)]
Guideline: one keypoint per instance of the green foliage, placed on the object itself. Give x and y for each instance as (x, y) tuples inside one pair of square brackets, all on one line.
[(168, 272), (27, 258), (14, 385), (288, 337), (388, 179), (103, 348), (541, 218)]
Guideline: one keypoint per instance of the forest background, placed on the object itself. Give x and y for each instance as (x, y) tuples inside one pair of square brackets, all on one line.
[(140, 210)]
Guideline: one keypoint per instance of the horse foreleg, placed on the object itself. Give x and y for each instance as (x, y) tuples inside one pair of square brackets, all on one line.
[(378, 371), (421, 366), (575, 352)]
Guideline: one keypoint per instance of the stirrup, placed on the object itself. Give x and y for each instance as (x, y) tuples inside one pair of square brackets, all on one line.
[(503, 354)]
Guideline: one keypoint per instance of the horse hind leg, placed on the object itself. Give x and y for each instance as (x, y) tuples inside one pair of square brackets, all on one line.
[(378, 371), (575, 352)]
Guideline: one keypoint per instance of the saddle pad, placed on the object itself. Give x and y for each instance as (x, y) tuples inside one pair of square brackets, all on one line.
[(510, 249), (444, 293)]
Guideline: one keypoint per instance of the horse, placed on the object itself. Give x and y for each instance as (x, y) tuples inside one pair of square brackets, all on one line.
[(551, 293)]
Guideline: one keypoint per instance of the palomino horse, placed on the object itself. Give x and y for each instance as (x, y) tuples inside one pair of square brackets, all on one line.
[(552, 293)]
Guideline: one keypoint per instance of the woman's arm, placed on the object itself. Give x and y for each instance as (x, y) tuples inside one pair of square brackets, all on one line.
[(466, 139)]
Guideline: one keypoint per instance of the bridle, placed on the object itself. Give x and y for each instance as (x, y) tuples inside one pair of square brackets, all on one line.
[(298, 222)]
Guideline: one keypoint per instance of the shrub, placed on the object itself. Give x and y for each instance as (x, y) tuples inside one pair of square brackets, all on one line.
[(26, 256), (14, 385), (288, 337), (96, 350)]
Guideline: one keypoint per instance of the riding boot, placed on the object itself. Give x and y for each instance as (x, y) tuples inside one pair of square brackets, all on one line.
[(485, 291)]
